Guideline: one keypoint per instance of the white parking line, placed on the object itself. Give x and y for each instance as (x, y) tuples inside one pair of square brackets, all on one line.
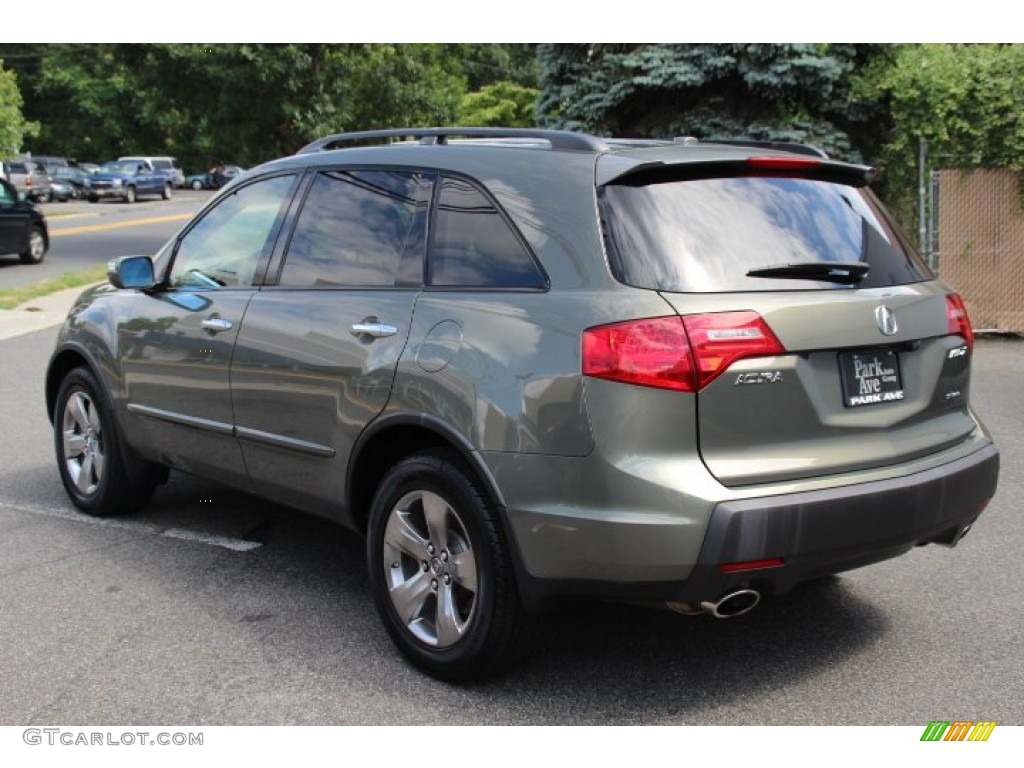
[(149, 529)]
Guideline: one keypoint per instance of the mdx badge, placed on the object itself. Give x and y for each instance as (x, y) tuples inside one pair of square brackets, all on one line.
[(886, 320)]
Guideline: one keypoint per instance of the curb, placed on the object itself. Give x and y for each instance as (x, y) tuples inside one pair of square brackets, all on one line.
[(39, 313)]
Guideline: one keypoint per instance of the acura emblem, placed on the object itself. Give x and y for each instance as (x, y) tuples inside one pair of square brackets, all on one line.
[(886, 320)]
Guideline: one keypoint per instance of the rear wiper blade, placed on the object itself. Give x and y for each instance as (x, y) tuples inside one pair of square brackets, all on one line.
[(845, 272)]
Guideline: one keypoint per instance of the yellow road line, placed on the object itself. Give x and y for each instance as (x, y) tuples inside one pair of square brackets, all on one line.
[(117, 225)]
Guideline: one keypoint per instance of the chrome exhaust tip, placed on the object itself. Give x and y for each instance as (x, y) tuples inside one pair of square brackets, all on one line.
[(732, 604)]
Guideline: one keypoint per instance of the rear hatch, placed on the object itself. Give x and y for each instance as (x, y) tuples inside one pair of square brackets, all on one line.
[(820, 341)]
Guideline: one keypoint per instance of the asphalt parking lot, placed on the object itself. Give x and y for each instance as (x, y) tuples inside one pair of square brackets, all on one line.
[(215, 608)]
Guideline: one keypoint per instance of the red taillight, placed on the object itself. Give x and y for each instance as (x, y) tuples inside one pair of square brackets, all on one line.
[(957, 321), (718, 340), (652, 353), (771, 163), (661, 351)]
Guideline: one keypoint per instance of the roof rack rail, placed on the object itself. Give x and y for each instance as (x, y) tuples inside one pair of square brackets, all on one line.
[(782, 146), (568, 140), (637, 142)]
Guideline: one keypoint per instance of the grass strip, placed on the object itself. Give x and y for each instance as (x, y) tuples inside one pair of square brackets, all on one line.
[(15, 297)]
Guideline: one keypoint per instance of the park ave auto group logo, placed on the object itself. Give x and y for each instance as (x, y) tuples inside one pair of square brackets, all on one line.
[(958, 730)]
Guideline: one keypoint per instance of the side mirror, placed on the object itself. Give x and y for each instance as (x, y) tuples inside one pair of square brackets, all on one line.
[(131, 272)]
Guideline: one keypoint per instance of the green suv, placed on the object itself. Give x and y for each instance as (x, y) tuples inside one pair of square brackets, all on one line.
[(530, 365)]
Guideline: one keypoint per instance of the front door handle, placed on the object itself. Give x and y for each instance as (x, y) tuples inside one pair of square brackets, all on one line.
[(216, 324), (374, 329)]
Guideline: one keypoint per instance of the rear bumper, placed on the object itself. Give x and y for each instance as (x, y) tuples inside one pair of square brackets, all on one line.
[(816, 533)]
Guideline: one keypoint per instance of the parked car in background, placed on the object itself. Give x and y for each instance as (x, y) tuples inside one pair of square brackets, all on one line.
[(213, 179), (23, 227), (29, 178), (164, 165), (88, 167), (127, 180), (62, 191), (68, 174), (50, 161)]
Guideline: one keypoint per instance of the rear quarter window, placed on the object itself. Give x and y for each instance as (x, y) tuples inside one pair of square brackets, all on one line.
[(473, 245)]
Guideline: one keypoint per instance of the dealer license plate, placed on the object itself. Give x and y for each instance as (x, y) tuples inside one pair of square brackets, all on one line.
[(870, 376)]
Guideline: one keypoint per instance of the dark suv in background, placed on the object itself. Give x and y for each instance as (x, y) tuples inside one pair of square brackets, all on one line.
[(532, 365)]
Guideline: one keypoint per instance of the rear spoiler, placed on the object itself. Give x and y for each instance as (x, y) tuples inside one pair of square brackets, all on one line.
[(625, 173)]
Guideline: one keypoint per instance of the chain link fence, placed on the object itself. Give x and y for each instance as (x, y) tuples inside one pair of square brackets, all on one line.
[(976, 243)]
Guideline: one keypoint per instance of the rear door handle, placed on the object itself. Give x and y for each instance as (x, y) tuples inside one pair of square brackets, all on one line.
[(216, 324), (376, 330)]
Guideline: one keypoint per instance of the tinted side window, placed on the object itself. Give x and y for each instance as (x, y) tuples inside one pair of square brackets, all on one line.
[(225, 247), (474, 246), (360, 229)]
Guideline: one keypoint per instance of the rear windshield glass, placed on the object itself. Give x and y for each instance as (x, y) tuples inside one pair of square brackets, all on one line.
[(705, 235)]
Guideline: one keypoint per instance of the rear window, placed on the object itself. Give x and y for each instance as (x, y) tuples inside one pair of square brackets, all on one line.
[(705, 235)]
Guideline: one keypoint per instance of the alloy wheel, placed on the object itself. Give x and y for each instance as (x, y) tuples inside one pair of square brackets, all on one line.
[(84, 455), (430, 568)]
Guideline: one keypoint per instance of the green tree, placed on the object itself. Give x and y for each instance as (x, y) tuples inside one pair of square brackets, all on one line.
[(499, 104), (965, 100), (793, 92), (240, 102), (487, 63), (13, 125)]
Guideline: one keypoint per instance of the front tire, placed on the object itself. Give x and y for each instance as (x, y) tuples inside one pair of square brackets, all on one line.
[(129, 195), (197, 184), (167, 193), (441, 571), (101, 475), (35, 247)]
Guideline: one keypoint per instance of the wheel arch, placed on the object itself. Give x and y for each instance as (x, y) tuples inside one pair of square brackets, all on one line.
[(61, 364), (393, 437)]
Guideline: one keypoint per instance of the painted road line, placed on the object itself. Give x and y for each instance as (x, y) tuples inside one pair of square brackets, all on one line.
[(117, 225), (137, 526)]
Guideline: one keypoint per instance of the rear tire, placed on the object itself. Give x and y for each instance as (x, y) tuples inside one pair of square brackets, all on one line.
[(102, 476), (441, 571), (197, 184), (35, 247)]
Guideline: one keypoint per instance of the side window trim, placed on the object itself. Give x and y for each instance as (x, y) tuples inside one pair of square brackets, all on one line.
[(272, 238)]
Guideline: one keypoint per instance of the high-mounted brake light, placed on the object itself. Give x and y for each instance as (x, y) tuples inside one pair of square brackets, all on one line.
[(684, 354), (957, 320), (771, 163)]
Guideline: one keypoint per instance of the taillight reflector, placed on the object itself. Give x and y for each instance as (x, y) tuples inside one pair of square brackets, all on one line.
[(684, 354), (957, 320), (751, 565)]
